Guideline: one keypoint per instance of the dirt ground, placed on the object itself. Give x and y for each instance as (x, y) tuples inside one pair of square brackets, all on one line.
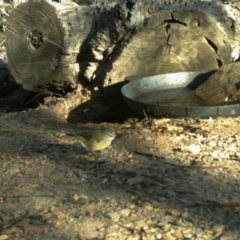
[(161, 178)]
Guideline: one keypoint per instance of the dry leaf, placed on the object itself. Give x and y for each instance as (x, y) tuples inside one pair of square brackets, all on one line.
[(46, 216), (30, 229), (10, 230)]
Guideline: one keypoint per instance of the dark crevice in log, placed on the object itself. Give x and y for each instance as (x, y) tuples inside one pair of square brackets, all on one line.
[(11, 30), (168, 43), (36, 39), (212, 44), (107, 64), (232, 24), (105, 45), (237, 85), (167, 28), (130, 4), (173, 20), (198, 23), (219, 62)]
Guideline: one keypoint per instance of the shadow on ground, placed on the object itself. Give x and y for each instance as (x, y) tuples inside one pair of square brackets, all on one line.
[(42, 170)]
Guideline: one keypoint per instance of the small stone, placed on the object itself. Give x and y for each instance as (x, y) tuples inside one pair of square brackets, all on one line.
[(74, 198), (13, 170), (150, 237), (215, 154), (133, 237), (60, 134), (141, 225), (111, 236), (10, 230), (168, 236), (3, 237), (189, 236), (135, 180), (60, 215), (185, 215), (82, 196), (83, 199), (174, 213), (114, 216), (158, 236), (125, 212), (161, 171), (46, 216), (104, 180), (161, 121), (171, 128), (178, 235), (148, 206), (218, 229), (131, 206), (193, 148)]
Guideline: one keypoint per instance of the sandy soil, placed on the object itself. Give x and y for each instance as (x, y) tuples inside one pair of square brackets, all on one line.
[(160, 179)]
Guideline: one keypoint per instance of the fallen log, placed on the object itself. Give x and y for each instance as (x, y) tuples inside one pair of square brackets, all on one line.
[(43, 41), (57, 45)]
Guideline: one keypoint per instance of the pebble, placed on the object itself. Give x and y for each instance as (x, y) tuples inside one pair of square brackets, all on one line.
[(3, 237), (10, 230), (111, 236), (158, 236), (135, 180), (149, 237), (74, 198), (218, 229), (185, 214), (188, 236), (83, 199), (114, 216), (134, 213), (141, 225), (133, 237), (13, 170), (174, 213), (193, 148), (178, 235), (131, 206), (148, 206), (168, 236), (125, 212)]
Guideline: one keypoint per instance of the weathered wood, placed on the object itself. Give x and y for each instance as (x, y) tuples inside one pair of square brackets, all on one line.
[(42, 42), (113, 39), (167, 42)]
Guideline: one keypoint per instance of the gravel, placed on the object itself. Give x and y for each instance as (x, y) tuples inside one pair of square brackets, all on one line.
[(154, 182)]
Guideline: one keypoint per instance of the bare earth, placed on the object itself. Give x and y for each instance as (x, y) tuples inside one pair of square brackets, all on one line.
[(161, 179)]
